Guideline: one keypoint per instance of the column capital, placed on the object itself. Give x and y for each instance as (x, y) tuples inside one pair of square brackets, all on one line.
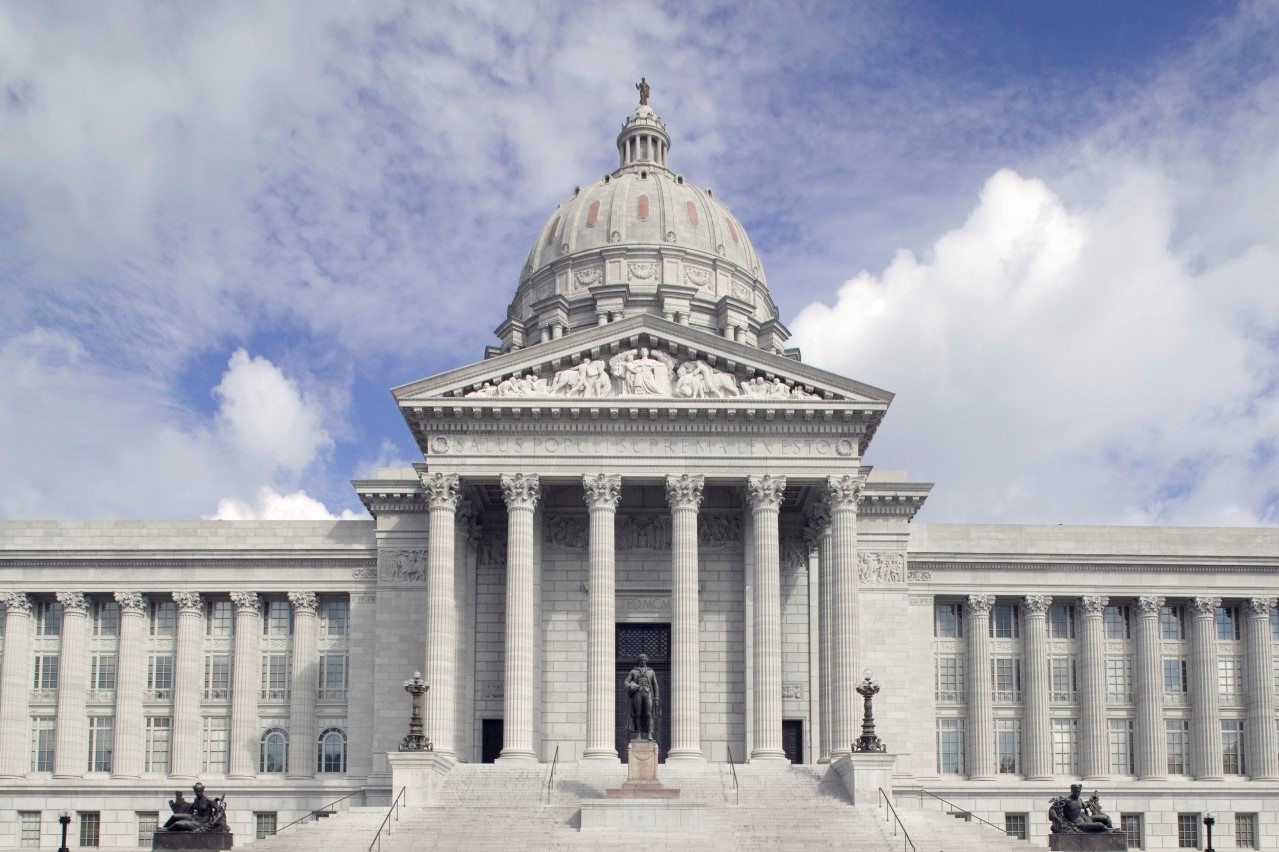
[(1149, 604), (766, 491), (16, 602), (1259, 607), (844, 492), (1093, 605), (189, 602), (979, 604), (304, 603), (441, 489), (602, 491), (1204, 606), (521, 490), (1038, 604), (73, 602), (131, 602), (684, 491), (247, 602)]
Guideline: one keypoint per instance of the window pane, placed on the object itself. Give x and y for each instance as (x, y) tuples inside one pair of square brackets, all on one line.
[(1015, 825), (1246, 831), (948, 622), (1171, 624), (1065, 735), (264, 824), (1133, 829), (29, 829), (950, 745), (90, 827), (148, 822), (1188, 831)]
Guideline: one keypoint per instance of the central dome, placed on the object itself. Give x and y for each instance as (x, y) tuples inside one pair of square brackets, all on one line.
[(642, 240)]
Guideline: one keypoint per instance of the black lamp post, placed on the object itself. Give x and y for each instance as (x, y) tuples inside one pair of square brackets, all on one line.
[(1209, 822), (868, 741), (416, 740), (65, 819)]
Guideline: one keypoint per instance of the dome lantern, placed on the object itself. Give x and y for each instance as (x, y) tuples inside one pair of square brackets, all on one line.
[(643, 141)]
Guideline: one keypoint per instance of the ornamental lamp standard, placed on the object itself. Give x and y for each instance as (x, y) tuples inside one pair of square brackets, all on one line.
[(65, 819), (1209, 822), (868, 741), (416, 740)]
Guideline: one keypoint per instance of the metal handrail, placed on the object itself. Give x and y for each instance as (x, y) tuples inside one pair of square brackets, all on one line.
[(737, 789), (967, 813), (394, 809), (886, 799), (310, 814), (550, 778)]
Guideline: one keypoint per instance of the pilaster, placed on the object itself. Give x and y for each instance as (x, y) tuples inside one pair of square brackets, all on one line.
[(245, 673), (303, 691), (521, 492), (1261, 761), (187, 674), (70, 758), (15, 677), (684, 496), (764, 495), (981, 717), (1205, 707), (131, 676), (1093, 734), (602, 493), (441, 491), (843, 494), (1152, 742), (1039, 756)]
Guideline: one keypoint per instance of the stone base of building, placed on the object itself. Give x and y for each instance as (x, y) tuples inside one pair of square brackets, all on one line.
[(1088, 842), (645, 815), (192, 841)]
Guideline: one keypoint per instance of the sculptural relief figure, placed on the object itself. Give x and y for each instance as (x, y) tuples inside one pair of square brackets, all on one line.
[(199, 814), (589, 378), (643, 372), (641, 686), (698, 380), (1071, 814)]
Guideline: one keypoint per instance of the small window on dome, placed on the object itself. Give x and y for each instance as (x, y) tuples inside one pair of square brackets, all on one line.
[(593, 214), (550, 235), (732, 232), (692, 212), (643, 207)]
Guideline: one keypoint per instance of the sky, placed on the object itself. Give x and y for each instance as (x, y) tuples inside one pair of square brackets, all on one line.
[(1050, 228)]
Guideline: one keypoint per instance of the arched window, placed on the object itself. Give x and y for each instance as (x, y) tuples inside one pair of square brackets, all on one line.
[(275, 751), (331, 751)]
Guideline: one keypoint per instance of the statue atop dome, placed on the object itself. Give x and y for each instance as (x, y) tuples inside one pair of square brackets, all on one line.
[(644, 89)]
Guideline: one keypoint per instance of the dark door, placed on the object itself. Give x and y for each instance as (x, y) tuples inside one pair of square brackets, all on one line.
[(793, 739), (490, 740), (654, 640)]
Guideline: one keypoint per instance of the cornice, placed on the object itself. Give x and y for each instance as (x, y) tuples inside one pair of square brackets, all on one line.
[(18, 560), (1053, 564)]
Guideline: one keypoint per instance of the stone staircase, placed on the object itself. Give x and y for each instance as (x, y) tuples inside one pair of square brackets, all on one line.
[(497, 808)]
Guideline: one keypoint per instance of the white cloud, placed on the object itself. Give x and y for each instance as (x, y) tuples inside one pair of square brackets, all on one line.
[(269, 505)]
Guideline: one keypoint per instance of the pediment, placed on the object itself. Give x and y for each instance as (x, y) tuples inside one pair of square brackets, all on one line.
[(640, 360)]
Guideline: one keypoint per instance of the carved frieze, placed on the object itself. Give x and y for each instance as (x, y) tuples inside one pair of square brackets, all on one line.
[(588, 277), (492, 690), (570, 531), (641, 270), (794, 549), (718, 530), (741, 291), (879, 567), (793, 691), (643, 531), (697, 277), (916, 576), (401, 566), (921, 600), (364, 573)]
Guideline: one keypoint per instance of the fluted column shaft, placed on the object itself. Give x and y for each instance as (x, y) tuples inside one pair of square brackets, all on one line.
[(981, 716), (843, 493), (684, 495), (187, 674), (601, 493), (1094, 760), (15, 724), (71, 757), (441, 492), (521, 493), (1261, 762), (130, 680), (246, 679), (764, 493), (1039, 751), (1152, 741), (304, 689), (1205, 707), (820, 530)]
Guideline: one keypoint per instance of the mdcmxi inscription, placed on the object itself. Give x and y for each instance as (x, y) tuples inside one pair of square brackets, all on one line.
[(622, 445)]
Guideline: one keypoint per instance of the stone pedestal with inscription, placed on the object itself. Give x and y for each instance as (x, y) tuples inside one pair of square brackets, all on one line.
[(642, 803), (641, 775)]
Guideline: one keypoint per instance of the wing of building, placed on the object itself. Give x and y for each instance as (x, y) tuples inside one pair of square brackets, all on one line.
[(640, 465)]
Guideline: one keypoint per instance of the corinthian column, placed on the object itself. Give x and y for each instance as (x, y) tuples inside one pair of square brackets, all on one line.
[(15, 674), (764, 494), (1205, 709), (684, 495), (842, 495), (520, 492), (1258, 681), (130, 680), (304, 688), (187, 665), (819, 533), (71, 757), (981, 716), (1093, 734), (602, 493), (441, 490), (1152, 741), (243, 760), (1039, 751)]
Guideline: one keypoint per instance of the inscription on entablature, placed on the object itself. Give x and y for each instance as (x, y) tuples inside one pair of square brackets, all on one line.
[(643, 603), (624, 446), (643, 531)]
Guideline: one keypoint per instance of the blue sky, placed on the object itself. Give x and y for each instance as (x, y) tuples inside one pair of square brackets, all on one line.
[(227, 229)]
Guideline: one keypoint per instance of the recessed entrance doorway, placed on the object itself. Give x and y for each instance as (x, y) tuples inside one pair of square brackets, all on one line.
[(654, 640)]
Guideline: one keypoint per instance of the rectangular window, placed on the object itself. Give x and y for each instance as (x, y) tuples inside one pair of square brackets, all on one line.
[(275, 677), (1118, 680), (1004, 621), (44, 734), (1228, 686), (217, 677), (48, 618), (160, 677), (1015, 825), (216, 740), (148, 824), (102, 672), (219, 618), (46, 672), (106, 618), (90, 827), (1274, 624), (1062, 680), (1005, 679), (1228, 623), (1065, 733), (1118, 623), (1121, 751), (1174, 675), (1246, 836), (333, 618), (1061, 621), (1232, 746), (159, 738), (1172, 623), (164, 618), (29, 829), (101, 743), (332, 677), (264, 824), (279, 619), (950, 745), (1008, 746), (1274, 674), (1177, 734), (950, 678), (1134, 829), (948, 621), (1187, 831)]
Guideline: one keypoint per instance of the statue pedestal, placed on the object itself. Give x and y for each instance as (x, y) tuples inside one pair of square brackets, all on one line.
[(197, 841), (642, 803), (1088, 841), (641, 775), (864, 773), (420, 773)]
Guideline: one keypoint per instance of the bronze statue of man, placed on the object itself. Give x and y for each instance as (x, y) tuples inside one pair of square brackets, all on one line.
[(641, 685), (644, 89), (199, 814), (1071, 814)]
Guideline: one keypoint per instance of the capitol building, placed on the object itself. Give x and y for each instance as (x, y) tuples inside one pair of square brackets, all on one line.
[(639, 464)]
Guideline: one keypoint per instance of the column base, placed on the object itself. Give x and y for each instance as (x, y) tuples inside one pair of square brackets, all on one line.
[(1039, 778), (603, 755), (769, 757), (1203, 778), (685, 755), (513, 755), (982, 778), (1153, 778), (240, 776)]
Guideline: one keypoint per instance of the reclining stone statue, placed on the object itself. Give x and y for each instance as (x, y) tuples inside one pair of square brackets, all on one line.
[(201, 814), (1071, 815)]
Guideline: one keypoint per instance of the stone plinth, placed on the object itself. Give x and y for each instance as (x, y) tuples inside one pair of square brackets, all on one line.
[(641, 815), (1089, 842), (641, 775), (865, 773), (192, 840), (420, 773)]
